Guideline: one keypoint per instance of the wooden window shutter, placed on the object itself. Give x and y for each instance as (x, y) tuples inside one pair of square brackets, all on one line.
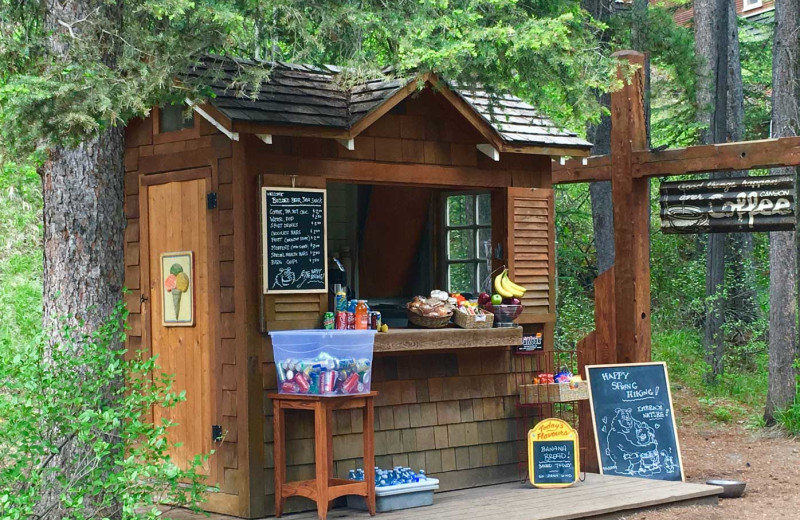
[(291, 311), (531, 250)]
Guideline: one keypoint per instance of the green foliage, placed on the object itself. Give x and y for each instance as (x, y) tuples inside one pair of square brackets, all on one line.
[(789, 418), (122, 58), (73, 440), (20, 255)]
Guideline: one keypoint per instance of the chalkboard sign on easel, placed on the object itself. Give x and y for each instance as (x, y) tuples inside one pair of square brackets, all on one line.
[(553, 454), (295, 251), (634, 424)]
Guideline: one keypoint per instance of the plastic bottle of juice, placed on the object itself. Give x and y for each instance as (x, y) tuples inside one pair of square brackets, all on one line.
[(362, 315)]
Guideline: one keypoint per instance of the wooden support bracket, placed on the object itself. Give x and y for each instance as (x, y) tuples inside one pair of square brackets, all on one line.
[(267, 138), (233, 136), (350, 144), (489, 151)]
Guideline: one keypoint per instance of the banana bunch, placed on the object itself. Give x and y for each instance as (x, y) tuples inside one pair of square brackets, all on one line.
[(506, 288)]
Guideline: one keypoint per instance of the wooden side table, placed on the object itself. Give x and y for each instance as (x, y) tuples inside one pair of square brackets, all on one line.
[(324, 488)]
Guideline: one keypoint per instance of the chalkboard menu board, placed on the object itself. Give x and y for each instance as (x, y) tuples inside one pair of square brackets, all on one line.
[(293, 222), (554, 462), (553, 454), (633, 421)]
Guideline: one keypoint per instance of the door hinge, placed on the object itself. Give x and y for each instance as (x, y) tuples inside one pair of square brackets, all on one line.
[(216, 432), (211, 200), (142, 299)]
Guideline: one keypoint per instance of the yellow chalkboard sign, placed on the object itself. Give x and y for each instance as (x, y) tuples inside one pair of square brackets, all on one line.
[(553, 454)]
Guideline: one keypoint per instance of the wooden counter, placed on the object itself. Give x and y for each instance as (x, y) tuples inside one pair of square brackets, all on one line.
[(418, 340)]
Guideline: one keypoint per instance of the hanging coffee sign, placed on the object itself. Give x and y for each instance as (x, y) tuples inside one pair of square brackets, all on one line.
[(728, 205)]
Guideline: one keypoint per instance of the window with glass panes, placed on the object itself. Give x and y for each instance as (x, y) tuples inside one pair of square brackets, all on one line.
[(468, 240)]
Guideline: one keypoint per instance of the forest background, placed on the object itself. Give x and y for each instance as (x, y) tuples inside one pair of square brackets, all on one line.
[(43, 102), (678, 265)]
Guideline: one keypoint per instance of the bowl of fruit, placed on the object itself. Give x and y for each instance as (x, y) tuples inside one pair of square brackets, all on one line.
[(505, 303)]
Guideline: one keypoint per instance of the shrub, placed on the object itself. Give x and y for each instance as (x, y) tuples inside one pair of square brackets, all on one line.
[(77, 443)]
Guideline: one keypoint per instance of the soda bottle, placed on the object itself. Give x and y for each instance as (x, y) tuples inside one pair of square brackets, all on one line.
[(362, 315)]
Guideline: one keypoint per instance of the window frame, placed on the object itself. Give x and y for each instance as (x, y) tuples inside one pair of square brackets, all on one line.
[(749, 7), (445, 228), (183, 134)]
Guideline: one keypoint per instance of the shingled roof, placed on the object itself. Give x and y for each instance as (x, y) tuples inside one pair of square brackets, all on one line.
[(308, 96)]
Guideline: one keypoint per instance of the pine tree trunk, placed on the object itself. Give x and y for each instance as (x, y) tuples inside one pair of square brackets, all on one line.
[(783, 247), (740, 304), (84, 225), (721, 107), (600, 137)]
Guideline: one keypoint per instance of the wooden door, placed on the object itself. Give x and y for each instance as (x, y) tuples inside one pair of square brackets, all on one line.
[(177, 221)]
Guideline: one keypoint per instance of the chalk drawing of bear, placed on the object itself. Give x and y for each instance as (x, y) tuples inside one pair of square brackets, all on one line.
[(623, 444), (649, 458)]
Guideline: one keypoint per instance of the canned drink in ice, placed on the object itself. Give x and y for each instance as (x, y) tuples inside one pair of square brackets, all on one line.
[(314, 385), (351, 384), (328, 321), (328, 382), (302, 382), (281, 372)]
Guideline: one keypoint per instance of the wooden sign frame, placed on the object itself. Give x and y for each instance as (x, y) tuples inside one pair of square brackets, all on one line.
[(570, 436), (188, 296), (669, 396), (264, 241)]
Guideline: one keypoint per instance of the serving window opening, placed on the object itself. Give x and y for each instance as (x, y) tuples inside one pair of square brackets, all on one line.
[(389, 243)]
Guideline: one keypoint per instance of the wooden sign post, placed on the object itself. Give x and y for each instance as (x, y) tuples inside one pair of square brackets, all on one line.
[(622, 293), (553, 454)]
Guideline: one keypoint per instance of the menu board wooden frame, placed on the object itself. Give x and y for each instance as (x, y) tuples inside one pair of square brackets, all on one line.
[(669, 396), (265, 242), (560, 431)]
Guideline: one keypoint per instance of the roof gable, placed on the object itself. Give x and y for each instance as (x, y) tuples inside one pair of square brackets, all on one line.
[(308, 97)]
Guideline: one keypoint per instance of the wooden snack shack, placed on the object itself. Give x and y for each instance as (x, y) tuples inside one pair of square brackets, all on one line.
[(409, 168)]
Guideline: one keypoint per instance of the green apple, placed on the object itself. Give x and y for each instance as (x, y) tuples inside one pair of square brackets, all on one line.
[(497, 299)]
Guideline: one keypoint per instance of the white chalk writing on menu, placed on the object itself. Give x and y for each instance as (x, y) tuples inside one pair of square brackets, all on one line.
[(295, 240)]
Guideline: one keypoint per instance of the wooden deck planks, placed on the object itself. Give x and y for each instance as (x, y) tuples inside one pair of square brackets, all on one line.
[(597, 495)]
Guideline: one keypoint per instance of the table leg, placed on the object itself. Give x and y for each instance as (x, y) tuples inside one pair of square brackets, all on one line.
[(321, 434), (329, 425), (369, 454), (279, 454)]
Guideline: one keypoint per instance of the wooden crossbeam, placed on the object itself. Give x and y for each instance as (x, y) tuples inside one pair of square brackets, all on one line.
[(595, 169), (743, 155)]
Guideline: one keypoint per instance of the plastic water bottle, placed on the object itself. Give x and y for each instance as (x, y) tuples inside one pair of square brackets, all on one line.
[(351, 475), (422, 475)]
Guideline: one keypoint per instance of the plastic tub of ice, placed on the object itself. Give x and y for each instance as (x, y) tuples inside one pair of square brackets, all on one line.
[(399, 496), (323, 362)]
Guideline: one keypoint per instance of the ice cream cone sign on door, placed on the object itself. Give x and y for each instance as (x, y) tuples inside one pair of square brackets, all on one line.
[(177, 271)]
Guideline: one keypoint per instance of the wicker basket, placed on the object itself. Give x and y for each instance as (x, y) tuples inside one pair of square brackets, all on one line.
[(427, 322), (469, 321)]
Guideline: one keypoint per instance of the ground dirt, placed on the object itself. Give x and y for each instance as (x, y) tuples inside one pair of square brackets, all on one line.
[(767, 460)]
